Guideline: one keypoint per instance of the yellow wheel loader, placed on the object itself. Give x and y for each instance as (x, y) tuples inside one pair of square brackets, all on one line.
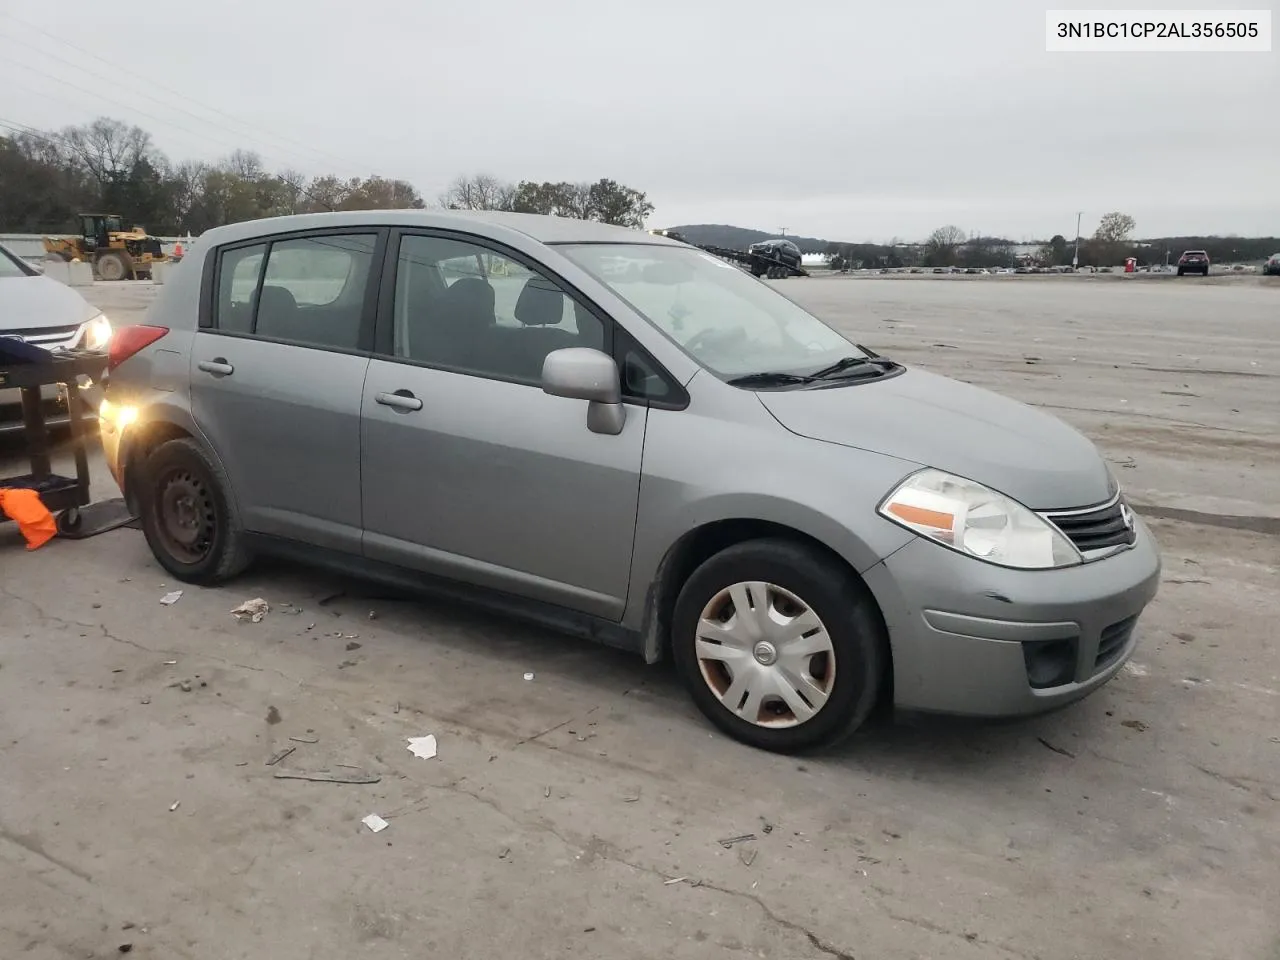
[(116, 253)]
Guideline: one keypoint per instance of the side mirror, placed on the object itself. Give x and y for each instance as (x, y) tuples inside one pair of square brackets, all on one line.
[(582, 373)]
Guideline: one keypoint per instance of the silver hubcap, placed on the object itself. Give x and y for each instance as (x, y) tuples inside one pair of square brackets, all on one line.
[(765, 654)]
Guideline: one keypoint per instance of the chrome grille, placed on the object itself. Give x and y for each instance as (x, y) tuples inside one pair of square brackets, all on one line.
[(1096, 528), (47, 337)]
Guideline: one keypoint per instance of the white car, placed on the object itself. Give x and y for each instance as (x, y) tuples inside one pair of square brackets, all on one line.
[(45, 313)]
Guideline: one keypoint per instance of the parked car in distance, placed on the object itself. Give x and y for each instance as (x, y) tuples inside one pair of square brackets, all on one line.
[(1193, 261), (45, 313), (622, 436), (1272, 267)]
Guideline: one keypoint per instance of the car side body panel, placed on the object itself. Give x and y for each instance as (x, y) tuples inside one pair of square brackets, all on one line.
[(756, 470)]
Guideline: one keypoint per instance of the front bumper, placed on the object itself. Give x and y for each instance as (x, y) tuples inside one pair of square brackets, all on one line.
[(958, 627)]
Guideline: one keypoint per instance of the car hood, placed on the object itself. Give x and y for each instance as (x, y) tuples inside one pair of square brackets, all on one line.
[(28, 303), (938, 422)]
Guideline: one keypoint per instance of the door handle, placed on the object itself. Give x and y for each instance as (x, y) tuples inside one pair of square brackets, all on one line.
[(218, 367), (401, 400)]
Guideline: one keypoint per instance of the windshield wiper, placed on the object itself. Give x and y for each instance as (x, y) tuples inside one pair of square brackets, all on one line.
[(768, 378), (846, 365), (873, 357)]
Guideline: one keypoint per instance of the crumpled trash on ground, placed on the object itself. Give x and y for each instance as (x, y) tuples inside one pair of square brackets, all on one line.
[(253, 610), (424, 747), (375, 822), (172, 597)]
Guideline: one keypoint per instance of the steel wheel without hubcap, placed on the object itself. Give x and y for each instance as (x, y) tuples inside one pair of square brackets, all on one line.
[(765, 654), (186, 515)]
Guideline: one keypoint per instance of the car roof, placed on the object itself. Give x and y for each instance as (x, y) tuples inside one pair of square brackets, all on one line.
[(544, 229)]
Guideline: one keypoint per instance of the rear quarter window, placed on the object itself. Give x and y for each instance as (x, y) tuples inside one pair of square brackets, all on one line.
[(238, 274)]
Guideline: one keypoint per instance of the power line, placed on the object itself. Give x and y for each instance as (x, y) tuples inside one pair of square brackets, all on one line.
[(119, 103), (277, 146), (116, 67)]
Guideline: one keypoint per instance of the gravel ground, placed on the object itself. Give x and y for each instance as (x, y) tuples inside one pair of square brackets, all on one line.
[(138, 808)]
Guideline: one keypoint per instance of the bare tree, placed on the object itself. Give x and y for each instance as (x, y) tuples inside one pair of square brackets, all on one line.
[(1115, 228), (480, 192), (941, 245), (1111, 241), (108, 149)]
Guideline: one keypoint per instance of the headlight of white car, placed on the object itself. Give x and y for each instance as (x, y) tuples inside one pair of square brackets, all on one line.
[(96, 334), (978, 521)]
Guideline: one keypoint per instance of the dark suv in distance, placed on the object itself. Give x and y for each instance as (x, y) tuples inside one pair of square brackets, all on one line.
[(1272, 267), (1193, 261), (777, 249)]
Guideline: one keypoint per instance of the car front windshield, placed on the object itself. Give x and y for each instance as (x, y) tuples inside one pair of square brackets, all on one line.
[(729, 322)]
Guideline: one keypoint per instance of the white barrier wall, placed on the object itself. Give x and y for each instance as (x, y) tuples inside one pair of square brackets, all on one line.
[(81, 274)]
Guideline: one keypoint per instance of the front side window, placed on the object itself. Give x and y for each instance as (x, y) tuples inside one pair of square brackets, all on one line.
[(466, 307), (729, 322)]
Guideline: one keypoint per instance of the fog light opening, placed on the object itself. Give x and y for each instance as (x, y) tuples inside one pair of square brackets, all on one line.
[(1050, 663)]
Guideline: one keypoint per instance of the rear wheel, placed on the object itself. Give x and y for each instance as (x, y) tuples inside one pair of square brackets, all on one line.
[(779, 646), (113, 266), (188, 517)]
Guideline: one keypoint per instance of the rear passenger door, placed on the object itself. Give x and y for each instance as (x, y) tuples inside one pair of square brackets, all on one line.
[(277, 370), (469, 470)]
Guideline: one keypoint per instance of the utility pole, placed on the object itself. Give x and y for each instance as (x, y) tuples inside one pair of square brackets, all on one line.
[(783, 230), (1075, 257)]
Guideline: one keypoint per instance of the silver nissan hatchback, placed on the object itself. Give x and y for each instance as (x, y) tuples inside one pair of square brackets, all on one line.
[(619, 435)]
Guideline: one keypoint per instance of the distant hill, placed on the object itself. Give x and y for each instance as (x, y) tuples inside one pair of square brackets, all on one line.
[(739, 238)]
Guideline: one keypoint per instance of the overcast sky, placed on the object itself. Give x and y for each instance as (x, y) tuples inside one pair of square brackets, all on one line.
[(845, 120)]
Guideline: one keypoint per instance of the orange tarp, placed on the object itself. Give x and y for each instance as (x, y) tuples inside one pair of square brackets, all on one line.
[(35, 521)]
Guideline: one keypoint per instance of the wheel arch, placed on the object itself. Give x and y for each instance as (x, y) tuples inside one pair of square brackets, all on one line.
[(161, 424), (699, 544)]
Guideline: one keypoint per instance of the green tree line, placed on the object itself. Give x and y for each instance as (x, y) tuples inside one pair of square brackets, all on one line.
[(48, 177)]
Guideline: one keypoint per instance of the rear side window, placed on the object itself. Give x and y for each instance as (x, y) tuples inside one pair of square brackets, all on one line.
[(311, 292), (237, 282)]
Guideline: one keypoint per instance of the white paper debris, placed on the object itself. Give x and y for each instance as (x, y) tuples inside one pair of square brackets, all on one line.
[(530, 675), (424, 747), (174, 806), (1134, 669), (169, 599), (254, 610), (375, 823)]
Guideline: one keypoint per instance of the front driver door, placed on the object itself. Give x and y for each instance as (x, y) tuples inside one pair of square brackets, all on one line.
[(468, 469)]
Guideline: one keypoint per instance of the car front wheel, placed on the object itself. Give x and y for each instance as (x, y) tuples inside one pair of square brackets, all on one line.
[(779, 646), (188, 517)]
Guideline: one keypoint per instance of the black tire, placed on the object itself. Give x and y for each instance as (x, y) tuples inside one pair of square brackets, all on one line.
[(70, 520), (839, 598), (218, 552), (1180, 271), (113, 265)]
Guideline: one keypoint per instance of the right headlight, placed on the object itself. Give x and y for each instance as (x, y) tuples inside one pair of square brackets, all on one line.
[(976, 520)]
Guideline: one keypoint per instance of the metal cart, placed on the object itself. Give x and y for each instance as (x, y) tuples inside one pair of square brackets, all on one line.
[(63, 496)]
